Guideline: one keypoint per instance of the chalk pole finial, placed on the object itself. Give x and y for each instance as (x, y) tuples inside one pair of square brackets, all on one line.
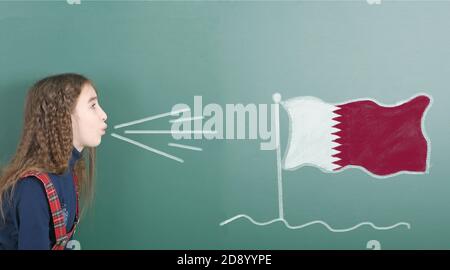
[(276, 97)]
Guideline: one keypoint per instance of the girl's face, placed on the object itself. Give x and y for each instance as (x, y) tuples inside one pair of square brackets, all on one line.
[(88, 119)]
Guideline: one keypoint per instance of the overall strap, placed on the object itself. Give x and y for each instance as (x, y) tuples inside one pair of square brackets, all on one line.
[(61, 235), (77, 218)]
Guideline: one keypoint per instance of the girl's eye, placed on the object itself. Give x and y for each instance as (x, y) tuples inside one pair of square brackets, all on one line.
[(93, 105)]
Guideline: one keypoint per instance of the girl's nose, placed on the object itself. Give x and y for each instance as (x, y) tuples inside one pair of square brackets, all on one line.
[(104, 116)]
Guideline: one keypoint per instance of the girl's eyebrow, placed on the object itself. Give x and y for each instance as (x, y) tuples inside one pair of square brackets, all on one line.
[(92, 99)]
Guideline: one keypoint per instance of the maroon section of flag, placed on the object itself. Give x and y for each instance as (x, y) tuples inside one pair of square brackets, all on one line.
[(383, 140)]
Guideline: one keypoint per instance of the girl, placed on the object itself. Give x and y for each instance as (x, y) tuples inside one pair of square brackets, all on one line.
[(39, 188)]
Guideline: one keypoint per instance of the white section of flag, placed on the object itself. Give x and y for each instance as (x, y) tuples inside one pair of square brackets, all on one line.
[(310, 134)]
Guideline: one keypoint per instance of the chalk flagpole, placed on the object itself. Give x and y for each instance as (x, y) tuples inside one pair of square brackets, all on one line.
[(277, 99)]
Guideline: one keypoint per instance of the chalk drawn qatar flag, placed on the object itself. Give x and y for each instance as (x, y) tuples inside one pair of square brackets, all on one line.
[(382, 140)]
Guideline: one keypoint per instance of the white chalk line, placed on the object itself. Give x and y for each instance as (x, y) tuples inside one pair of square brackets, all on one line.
[(151, 118), (168, 132), (185, 146), (314, 222), (186, 119), (156, 151)]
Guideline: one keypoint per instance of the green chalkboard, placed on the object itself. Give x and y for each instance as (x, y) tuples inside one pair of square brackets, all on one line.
[(147, 58)]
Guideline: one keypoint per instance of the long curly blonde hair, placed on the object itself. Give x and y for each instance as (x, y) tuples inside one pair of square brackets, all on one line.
[(47, 140)]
